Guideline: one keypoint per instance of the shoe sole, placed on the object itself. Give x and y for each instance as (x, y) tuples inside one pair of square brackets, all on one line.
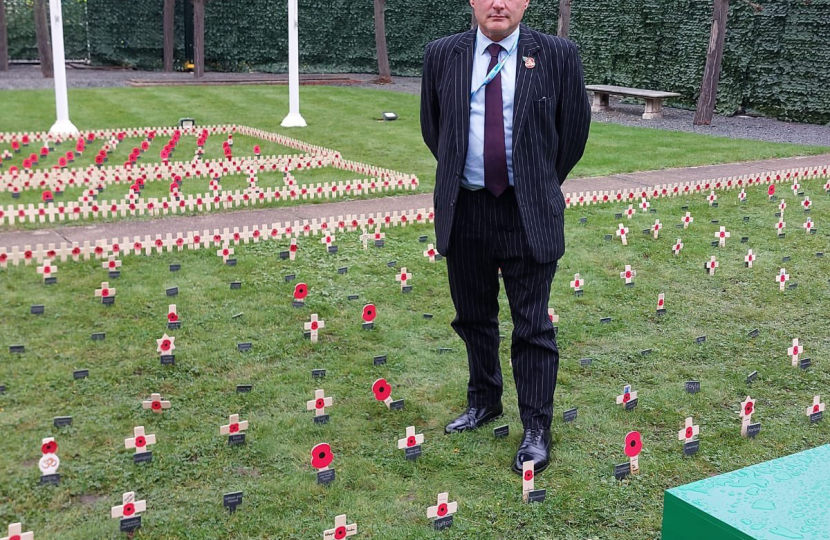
[(520, 472), (475, 428)]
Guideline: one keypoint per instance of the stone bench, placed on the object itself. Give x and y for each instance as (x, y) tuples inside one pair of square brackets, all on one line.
[(654, 98)]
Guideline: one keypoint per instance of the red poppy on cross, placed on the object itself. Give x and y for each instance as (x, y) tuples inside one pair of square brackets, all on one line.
[(711, 265), (661, 301), (626, 396), (687, 220), (577, 283), (689, 432), (712, 198), (780, 225), (292, 249), (528, 478), (112, 264), (341, 529), (747, 409), (172, 315), (313, 325), (782, 278), (47, 269), (226, 253), (105, 291), (806, 203), (554, 318), (139, 440), (656, 228), (430, 253), (327, 240), (742, 196), (234, 426), (628, 275), (629, 212), (794, 351), (782, 206), (677, 247), (16, 533), (382, 391), (808, 225), (155, 403), (319, 403), (443, 508), (403, 277), (749, 259), (166, 344), (722, 235), (129, 507), (411, 439), (644, 205), (622, 231), (816, 407)]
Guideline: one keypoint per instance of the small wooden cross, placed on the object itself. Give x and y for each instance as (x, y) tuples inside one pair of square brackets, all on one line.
[(234, 426), (742, 196), (816, 407), (129, 507), (411, 439), (644, 205), (105, 291), (47, 269), (403, 277), (806, 203), (628, 275), (747, 409), (780, 225), (16, 533), (782, 278), (656, 228), (689, 432), (749, 258), (443, 508), (661, 301), (722, 235), (365, 237), (794, 351), (430, 253), (166, 344), (629, 212), (139, 440), (327, 240), (155, 403), (292, 249), (319, 403), (712, 198), (112, 264), (808, 225), (172, 315), (313, 326), (554, 318), (378, 236), (528, 478), (626, 396), (226, 253), (577, 283), (677, 247), (782, 206), (687, 220), (622, 230), (341, 529), (711, 265)]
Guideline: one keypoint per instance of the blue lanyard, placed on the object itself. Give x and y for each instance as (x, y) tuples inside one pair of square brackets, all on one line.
[(495, 71)]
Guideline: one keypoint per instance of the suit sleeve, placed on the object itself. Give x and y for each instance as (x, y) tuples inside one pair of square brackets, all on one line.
[(430, 111), (573, 118)]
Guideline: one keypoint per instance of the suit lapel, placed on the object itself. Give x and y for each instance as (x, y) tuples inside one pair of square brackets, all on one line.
[(528, 46), (463, 70)]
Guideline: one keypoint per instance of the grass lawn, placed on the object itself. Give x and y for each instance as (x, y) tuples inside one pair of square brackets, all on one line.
[(346, 119), (375, 486)]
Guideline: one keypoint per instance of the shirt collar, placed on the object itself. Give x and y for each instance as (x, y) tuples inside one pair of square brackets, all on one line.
[(482, 41)]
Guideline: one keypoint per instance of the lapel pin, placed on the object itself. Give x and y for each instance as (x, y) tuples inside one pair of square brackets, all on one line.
[(530, 63)]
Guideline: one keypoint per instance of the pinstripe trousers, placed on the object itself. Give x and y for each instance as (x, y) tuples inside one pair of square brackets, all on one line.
[(488, 234)]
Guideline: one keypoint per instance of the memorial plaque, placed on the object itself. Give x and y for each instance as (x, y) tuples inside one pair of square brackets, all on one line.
[(36, 310), (98, 336), (114, 274), (618, 215), (605, 320), (174, 325), (17, 349), (236, 285), (172, 291), (298, 304), (700, 339), (442, 523), (368, 325), (645, 352), (715, 221), (2, 389), (237, 315), (622, 470), (413, 452), (175, 267), (693, 387), (142, 457), (290, 277), (751, 377), (231, 262), (232, 500), (752, 430), (80, 374), (379, 243), (661, 311), (396, 405), (379, 360), (353, 297), (427, 315), (501, 431), (236, 439), (443, 350), (785, 258), (816, 417), (392, 264), (325, 477), (50, 281), (569, 415), (423, 239), (406, 289), (714, 205), (343, 270), (754, 333), (322, 419), (537, 495), (690, 448), (129, 525), (583, 220), (50, 479), (244, 388), (631, 404), (284, 255), (585, 362), (805, 363), (168, 359), (332, 250), (318, 373), (744, 239), (820, 255), (62, 421), (792, 286), (715, 243), (608, 237), (746, 219)]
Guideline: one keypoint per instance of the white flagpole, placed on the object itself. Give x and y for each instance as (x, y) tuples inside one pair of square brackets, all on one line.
[(63, 125), (294, 118)]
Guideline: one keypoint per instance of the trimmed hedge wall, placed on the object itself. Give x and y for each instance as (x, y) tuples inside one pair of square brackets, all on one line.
[(776, 59)]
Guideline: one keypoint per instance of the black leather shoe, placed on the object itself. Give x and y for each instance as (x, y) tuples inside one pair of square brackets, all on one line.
[(474, 418), (535, 447)]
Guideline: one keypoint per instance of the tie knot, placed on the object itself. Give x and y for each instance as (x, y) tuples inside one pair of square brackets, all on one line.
[(494, 49)]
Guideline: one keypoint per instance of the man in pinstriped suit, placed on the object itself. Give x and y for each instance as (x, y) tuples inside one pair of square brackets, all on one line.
[(505, 112)]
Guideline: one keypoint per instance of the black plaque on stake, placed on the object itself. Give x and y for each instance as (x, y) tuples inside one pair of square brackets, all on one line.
[(130, 525), (36, 309), (243, 388), (693, 387), (501, 431), (690, 448), (622, 470), (326, 477), (232, 500), (62, 421), (569, 415), (142, 457), (80, 374)]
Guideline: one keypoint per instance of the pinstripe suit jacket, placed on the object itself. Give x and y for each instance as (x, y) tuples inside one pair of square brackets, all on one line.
[(551, 119)]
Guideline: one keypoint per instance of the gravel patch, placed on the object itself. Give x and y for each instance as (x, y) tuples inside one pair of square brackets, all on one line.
[(23, 77)]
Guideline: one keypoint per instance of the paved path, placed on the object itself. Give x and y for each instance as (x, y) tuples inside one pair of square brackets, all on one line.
[(242, 218)]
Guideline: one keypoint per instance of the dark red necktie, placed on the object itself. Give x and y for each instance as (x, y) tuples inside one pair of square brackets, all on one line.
[(496, 179)]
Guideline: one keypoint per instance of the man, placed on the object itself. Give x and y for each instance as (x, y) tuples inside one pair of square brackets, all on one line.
[(505, 112)]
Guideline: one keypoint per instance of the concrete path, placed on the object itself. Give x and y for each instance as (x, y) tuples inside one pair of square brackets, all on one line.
[(250, 217)]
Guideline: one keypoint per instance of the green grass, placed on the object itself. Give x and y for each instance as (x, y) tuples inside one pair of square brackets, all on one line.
[(346, 119), (375, 486)]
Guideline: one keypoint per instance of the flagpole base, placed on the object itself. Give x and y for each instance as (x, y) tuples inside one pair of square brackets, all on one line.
[(63, 127), (294, 120)]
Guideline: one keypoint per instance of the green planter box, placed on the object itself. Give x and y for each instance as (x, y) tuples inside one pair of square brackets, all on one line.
[(782, 499)]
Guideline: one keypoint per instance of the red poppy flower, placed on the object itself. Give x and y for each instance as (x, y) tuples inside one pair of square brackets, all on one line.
[(165, 345), (300, 291), (528, 476), (49, 448), (381, 389), (633, 443), (172, 317), (156, 405), (128, 510), (689, 432), (749, 408), (321, 456), (369, 312), (771, 190)]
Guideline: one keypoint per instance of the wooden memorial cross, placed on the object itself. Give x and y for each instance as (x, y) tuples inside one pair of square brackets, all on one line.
[(48, 271), (129, 507), (644, 205), (165, 344), (430, 253), (689, 431), (403, 277), (327, 240), (747, 409), (235, 429), (806, 204), (749, 258), (341, 529), (529, 491), (139, 441), (782, 206), (155, 403), (226, 253), (808, 225), (411, 442), (554, 318), (661, 303), (172, 317), (722, 235), (365, 237), (711, 265), (656, 229), (16, 533), (742, 196), (112, 264), (780, 225), (49, 462), (622, 231), (677, 247), (379, 237), (712, 198), (782, 278), (628, 275), (313, 325), (105, 292), (319, 404), (443, 511), (816, 410), (577, 283), (687, 220), (383, 392), (628, 396), (629, 212), (794, 351), (292, 249)]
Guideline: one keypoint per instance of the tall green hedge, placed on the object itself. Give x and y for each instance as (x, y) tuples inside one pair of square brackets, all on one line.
[(20, 19), (776, 60)]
